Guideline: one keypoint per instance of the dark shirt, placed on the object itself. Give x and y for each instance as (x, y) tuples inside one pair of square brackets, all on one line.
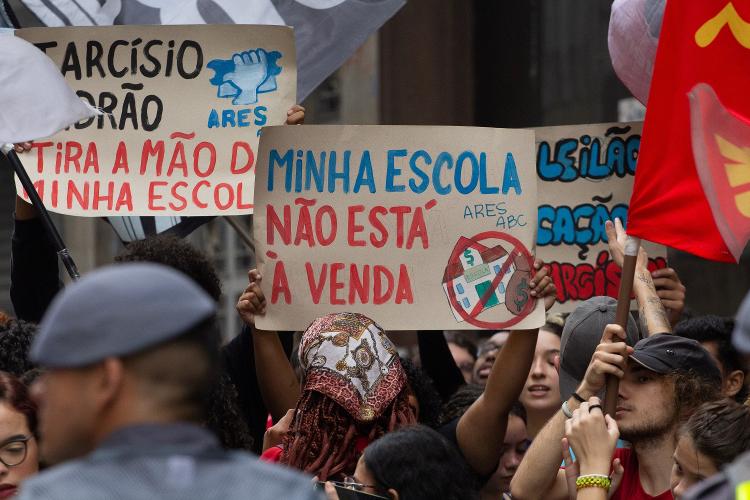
[(448, 431), (166, 461)]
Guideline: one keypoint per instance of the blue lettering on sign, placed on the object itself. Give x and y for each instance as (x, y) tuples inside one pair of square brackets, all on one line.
[(232, 118), (584, 157), (580, 225), (337, 171)]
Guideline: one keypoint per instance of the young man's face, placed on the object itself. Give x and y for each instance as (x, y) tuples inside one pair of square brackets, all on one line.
[(646, 404), (66, 413)]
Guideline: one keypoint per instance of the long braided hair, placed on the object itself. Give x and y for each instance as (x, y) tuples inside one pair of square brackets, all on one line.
[(355, 391)]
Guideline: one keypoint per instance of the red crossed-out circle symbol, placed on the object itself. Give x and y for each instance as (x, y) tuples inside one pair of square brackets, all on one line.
[(517, 249)]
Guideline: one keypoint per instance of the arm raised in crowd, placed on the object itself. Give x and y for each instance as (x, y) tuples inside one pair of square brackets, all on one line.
[(651, 309), (481, 430), (593, 437), (438, 363), (539, 476), (276, 378)]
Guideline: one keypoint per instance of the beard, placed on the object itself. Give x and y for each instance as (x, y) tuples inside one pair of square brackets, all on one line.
[(649, 430)]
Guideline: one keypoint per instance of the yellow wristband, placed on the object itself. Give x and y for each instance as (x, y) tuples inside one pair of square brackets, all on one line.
[(593, 481)]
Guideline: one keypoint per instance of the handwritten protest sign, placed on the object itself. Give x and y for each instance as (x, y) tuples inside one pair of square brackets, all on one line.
[(416, 227), (586, 176), (184, 106)]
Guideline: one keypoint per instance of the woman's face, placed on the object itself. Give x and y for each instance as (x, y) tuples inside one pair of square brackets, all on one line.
[(14, 430), (542, 390), (690, 467)]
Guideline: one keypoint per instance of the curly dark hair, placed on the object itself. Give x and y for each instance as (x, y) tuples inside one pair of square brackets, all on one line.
[(424, 390), (15, 341), (224, 416), (178, 254), (16, 395), (720, 430), (460, 402), (711, 328), (692, 389)]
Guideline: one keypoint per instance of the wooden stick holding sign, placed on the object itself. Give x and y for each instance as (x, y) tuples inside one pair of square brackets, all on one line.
[(632, 246)]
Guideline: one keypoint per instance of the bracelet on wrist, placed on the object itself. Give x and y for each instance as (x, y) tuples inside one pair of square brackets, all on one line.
[(593, 481), (566, 410), (578, 397)]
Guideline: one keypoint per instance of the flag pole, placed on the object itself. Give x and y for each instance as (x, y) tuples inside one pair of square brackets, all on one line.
[(52, 232), (632, 246)]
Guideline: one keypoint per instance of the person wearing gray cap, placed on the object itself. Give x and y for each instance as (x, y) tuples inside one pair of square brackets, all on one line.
[(734, 481), (663, 379), (580, 337), (584, 350), (131, 352)]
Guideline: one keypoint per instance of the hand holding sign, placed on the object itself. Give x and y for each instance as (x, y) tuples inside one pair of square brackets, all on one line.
[(252, 302), (671, 291), (542, 286)]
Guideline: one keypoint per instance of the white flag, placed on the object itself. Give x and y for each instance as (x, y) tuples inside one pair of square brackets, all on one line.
[(35, 100)]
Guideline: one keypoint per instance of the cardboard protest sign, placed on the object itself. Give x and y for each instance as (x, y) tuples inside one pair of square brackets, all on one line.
[(183, 110), (586, 176), (416, 227)]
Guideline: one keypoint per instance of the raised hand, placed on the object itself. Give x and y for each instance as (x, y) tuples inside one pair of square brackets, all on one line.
[(22, 147), (542, 286), (671, 292), (616, 237), (593, 437), (295, 115), (608, 359), (252, 302)]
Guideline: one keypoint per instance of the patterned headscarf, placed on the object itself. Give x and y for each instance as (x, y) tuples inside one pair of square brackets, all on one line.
[(347, 357), (354, 391)]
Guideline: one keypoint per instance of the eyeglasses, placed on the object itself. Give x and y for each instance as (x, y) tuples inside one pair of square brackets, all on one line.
[(351, 483), (13, 453)]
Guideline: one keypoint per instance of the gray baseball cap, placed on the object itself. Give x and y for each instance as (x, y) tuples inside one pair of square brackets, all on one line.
[(741, 333), (118, 310), (581, 334)]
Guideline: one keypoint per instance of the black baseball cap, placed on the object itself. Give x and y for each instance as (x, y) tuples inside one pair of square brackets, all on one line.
[(664, 353)]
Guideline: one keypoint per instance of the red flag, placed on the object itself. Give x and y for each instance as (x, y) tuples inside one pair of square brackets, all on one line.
[(704, 51)]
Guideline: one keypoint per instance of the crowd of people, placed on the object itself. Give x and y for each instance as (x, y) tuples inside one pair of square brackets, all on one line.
[(119, 386)]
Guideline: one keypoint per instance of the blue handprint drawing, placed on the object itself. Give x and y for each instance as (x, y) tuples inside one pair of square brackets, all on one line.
[(246, 75)]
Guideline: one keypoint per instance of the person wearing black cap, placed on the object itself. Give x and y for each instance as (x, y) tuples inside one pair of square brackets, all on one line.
[(663, 379), (131, 352), (582, 338)]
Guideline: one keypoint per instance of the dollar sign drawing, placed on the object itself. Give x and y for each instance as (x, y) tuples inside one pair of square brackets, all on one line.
[(521, 296), (469, 257)]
